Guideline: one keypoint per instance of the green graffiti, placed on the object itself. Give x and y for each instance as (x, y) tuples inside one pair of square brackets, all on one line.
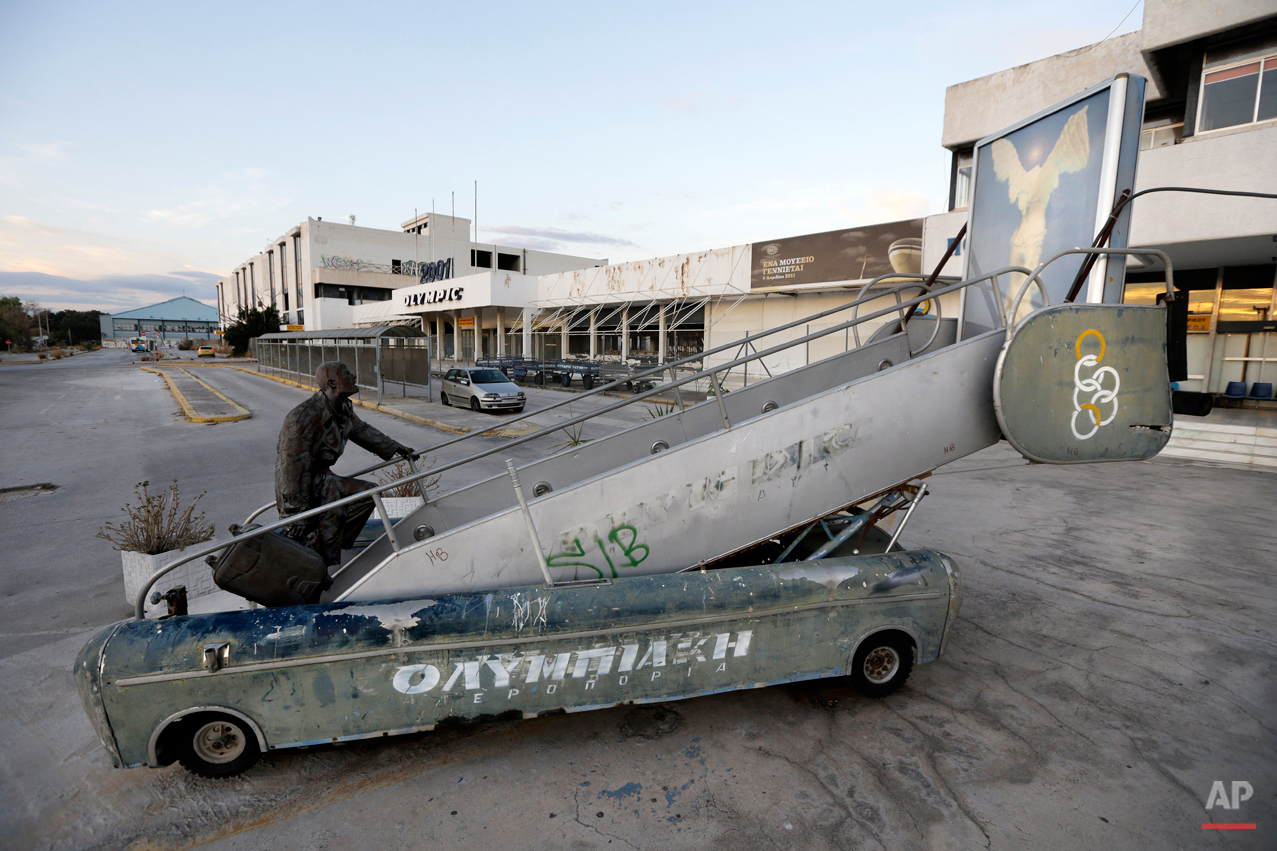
[(630, 548), (624, 537), (566, 560)]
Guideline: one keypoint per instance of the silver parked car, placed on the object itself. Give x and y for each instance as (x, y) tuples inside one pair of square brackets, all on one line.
[(482, 388)]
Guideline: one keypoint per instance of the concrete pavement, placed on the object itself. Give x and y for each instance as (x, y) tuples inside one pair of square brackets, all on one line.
[(1115, 656)]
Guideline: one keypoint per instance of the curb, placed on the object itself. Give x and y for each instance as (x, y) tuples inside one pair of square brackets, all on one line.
[(187, 410), (218, 393), (451, 429)]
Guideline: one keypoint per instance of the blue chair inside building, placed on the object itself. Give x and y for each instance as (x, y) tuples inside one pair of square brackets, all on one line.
[(1261, 391), (1234, 390)]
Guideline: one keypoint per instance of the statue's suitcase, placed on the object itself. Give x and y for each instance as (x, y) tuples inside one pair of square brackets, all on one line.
[(270, 569)]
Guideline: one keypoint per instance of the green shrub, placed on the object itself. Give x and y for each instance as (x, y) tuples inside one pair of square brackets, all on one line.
[(186, 345), (250, 324)]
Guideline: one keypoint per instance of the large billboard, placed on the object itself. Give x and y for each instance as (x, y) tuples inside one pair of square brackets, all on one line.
[(854, 254), (1047, 184)]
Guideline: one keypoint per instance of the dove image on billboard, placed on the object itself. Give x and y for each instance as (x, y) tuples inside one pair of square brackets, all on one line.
[(1045, 185)]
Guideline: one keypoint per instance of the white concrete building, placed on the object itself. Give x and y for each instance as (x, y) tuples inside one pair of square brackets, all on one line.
[(1210, 121), (322, 275)]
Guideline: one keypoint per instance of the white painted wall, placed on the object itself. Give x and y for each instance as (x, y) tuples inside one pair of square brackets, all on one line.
[(976, 108), (1168, 22), (1243, 158), (716, 272)]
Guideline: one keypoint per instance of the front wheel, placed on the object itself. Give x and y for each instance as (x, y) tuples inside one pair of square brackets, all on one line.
[(443, 400), (215, 745), (566, 379), (474, 404), (519, 410), (881, 665)]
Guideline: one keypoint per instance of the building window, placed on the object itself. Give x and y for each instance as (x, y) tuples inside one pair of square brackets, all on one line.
[(480, 259), (961, 188), (270, 273), (1143, 292), (1252, 304), (352, 295), (1161, 137), (396, 267), (297, 270), (1241, 94), (508, 262)]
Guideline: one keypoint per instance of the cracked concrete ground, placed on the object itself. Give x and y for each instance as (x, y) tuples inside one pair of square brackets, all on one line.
[(1114, 657)]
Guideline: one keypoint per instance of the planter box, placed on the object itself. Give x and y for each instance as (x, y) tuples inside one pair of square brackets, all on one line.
[(138, 567), (398, 507)]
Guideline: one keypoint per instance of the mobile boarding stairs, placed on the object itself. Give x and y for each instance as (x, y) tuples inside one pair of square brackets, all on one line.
[(739, 478)]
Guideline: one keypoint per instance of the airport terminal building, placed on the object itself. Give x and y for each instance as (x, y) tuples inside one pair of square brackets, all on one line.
[(1210, 121)]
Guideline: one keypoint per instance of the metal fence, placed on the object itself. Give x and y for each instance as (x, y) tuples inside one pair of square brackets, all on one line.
[(385, 364)]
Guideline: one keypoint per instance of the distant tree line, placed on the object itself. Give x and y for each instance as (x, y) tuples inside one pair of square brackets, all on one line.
[(21, 322)]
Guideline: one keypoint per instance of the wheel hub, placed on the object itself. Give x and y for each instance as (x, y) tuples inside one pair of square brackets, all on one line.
[(881, 665), (219, 741)]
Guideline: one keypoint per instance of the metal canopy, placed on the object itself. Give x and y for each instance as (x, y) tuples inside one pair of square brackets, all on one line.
[(373, 333)]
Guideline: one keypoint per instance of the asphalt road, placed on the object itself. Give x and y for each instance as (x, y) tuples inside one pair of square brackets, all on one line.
[(1116, 655)]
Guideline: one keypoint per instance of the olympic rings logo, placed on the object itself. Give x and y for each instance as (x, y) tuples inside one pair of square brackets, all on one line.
[(1100, 395)]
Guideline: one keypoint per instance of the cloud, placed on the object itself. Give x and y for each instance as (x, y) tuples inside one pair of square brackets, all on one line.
[(198, 276), (681, 105), (109, 293), (890, 205), (48, 152), (27, 245), (551, 239)]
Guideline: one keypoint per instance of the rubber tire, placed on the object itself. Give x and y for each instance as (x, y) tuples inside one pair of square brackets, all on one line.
[(588, 381), (443, 400), (518, 410), (540, 379), (892, 642), (566, 380), (196, 764), (474, 404)]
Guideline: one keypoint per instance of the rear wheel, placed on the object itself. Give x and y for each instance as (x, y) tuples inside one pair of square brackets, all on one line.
[(474, 403), (566, 379), (882, 664), (588, 381), (216, 745), (443, 399)]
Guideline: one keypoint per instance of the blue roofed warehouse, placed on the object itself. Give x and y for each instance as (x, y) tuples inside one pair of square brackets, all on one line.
[(174, 319)]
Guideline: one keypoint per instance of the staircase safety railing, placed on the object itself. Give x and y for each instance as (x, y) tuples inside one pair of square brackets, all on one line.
[(914, 282)]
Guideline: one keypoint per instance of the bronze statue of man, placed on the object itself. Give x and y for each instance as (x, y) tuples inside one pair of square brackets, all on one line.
[(312, 439)]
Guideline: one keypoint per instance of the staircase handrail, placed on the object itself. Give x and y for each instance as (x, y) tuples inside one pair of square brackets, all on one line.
[(375, 492)]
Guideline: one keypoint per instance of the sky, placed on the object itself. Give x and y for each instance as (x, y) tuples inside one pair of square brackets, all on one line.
[(146, 149)]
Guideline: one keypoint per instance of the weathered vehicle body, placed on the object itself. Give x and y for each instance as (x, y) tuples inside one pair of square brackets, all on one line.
[(304, 675)]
